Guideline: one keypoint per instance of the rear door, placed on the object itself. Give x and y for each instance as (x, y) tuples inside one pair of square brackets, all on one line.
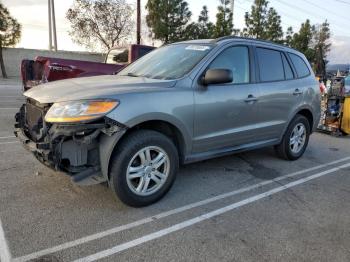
[(279, 95), (225, 114)]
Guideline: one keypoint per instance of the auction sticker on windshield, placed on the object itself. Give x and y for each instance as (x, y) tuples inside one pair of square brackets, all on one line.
[(197, 47)]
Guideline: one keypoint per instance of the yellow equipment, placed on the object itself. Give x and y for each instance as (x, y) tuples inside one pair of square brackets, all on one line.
[(345, 122)]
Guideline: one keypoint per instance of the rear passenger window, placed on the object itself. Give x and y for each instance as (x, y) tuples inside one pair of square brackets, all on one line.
[(300, 66), (287, 69), (236, 59), (270, 65)]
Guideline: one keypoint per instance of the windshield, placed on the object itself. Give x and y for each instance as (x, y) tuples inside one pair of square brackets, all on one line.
[(168, 62), (118, 56)]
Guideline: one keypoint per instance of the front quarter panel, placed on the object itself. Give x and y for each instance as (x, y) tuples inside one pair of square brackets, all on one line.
[(172, 105)]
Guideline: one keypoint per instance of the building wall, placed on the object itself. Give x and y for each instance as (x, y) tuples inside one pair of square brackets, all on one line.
[(14, 56)]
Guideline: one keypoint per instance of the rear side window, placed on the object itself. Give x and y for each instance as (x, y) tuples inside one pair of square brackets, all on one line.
[(287, 69), (270, 65), (237, 60), (300, 65)]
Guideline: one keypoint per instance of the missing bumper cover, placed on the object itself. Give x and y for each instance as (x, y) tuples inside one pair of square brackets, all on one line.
[(73, 149)]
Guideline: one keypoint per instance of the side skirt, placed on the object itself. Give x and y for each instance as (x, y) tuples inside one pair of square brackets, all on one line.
[(229, 150)]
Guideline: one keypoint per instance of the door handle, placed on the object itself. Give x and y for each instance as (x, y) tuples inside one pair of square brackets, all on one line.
[(251, 98), (297, 92)]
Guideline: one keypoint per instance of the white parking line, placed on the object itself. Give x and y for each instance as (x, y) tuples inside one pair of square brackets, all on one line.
[(165, 214), (12, 101), (6, 137), (5, 255), (191, 222), (5, 143)]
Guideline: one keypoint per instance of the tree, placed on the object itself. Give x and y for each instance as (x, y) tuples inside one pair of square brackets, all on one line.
[(206, 27), (302, 40), (167, 19), (100, 23), (256, 20), (313, 42), (10, 33), (322, 47), (289, 36), (202, 29), (224, 20), (263, 22), (273, 30)]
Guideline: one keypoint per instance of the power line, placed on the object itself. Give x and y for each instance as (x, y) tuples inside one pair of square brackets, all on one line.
[(306, 12), (310, 14), (341, 1), (328, 11)]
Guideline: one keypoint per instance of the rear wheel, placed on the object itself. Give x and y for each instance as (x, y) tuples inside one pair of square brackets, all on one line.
[(143, 168), (295, 140)]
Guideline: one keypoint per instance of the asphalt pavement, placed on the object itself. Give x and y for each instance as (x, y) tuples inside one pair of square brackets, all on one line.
[(246, 207)]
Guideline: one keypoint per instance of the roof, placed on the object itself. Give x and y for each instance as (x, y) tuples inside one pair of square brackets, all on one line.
[(237, 38), (249, 39)]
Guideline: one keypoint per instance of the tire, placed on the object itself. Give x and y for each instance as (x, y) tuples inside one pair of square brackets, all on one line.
[(291, 152), (141, 152)]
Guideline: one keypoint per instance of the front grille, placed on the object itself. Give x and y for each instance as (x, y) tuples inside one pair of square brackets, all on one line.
[(34, 119), (33, 116)]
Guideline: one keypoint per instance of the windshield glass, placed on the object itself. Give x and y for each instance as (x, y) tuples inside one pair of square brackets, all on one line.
[(168, 62), (118, 56)]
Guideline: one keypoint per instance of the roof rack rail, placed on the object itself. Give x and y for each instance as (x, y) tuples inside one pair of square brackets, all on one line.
[(248, 38)]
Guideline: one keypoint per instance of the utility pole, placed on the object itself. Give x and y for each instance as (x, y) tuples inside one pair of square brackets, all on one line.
[(52, 25), (232, 10), (50, 32), (138, 23)]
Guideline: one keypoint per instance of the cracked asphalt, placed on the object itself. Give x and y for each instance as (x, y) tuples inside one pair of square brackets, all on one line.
[(217, 210)]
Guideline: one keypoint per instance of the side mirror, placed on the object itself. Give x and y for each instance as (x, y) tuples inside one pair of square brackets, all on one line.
[(217, 76)]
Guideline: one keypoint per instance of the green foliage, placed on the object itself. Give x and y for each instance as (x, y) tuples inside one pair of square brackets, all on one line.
[(322, 47), (10, 33), (302, 40), (203, 29), (289, 36), (99, 24), (274, 30), (256, 20), (263, 22), (167, 19), (224, 19), (313, 42)]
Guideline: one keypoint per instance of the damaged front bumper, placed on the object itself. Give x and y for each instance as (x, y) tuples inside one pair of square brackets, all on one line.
[(72, 148)]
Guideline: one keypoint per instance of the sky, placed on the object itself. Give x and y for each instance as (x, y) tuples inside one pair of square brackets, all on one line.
[(32, 14)]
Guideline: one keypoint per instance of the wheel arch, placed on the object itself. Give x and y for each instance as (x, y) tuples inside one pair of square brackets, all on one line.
[(169, 129), (309, 116)]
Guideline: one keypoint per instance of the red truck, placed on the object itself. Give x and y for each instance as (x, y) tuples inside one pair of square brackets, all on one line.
[(47, 69)]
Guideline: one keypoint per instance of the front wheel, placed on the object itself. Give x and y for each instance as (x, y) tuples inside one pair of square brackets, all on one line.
[(143, 168), (295, 140)]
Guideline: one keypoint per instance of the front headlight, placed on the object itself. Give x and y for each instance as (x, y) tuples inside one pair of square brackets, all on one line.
[(77, 111)]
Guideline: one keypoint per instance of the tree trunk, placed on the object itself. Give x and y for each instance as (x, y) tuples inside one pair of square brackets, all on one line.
[(2, 65)]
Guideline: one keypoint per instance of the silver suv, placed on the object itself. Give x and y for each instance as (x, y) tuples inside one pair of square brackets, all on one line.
[(181, 103)]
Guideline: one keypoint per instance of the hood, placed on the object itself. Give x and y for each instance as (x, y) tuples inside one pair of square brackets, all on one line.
[(93, 88)]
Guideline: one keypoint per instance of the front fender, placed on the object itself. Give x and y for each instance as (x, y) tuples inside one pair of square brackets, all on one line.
[(108, 143), (106, 147)]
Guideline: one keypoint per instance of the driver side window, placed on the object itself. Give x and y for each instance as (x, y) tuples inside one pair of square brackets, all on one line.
[(237, 60)]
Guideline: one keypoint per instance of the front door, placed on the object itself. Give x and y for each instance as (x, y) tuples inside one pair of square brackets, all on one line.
[(225, 114)]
